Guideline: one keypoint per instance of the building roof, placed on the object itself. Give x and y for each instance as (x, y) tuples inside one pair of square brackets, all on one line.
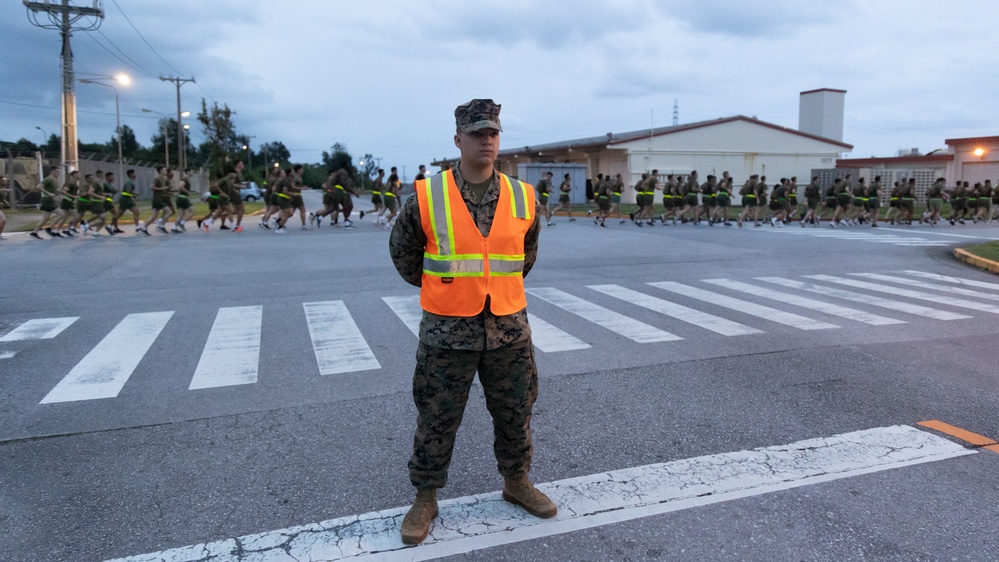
[(926, 160), (823, 90), (973, 140), (611, 139)]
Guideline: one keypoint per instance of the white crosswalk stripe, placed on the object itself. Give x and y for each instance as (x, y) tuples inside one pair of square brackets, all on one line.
[(408, 310), (232, 348), (39, 329), (746, 307), (941, 299), (232, 352), (954, 280), (106, 369), (550, 339), (693, 316), (862, 237), (546, 337), (900, 306), (827, 308), (613, 321), (336, 340), (925, 285)]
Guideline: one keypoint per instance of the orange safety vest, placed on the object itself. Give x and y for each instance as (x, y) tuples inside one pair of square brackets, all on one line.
[(460, 266)]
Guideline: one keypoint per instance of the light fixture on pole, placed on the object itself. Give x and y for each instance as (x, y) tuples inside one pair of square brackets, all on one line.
[(123, 80), (980, 153), (45, 136), (166, 140)]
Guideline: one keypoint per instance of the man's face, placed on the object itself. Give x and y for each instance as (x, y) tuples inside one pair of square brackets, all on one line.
[(239, 166), (56, 173), (480, 147)]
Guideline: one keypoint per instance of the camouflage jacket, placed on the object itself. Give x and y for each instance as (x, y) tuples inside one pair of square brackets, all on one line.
[(485, 330)]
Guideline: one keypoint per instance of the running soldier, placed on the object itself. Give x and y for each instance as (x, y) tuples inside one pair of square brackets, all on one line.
[(161, 204), (563, 199), (813, 193), (544, 188), (750, 201), (184, 208), (376, 196), (934, 201), (906, 202), (49, 188), (70, 191), (126, 202)]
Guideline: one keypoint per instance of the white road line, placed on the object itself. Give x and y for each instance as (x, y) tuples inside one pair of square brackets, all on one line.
[(545, 336), (954, 280), (7, 354), (548, 338), (932, 233), (106, 369), (941, 299), (900, 306), (232, 352), (927, 243), (746, 307), (613, 321), (693, 316), (40, 329), (474, 523), (925, 285), (408, 310), (824, 307), (336, 340)]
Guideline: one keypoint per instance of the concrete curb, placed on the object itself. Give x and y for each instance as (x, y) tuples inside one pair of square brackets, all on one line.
[(971, 259)]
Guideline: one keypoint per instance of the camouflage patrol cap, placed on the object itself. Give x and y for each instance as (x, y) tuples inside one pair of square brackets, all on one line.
[(477, 114)]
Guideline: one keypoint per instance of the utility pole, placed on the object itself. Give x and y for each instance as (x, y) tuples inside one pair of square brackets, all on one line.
[(66, 18), (181, 153)]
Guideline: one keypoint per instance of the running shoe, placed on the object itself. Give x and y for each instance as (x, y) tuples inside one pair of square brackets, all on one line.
[(238, 229)]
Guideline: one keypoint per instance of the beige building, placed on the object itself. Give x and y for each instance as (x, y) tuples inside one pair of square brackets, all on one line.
[(740, 145)]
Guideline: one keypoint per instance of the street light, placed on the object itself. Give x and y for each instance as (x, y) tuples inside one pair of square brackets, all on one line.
[(45, 136), (979, 152), (166, 140), (124, 80)]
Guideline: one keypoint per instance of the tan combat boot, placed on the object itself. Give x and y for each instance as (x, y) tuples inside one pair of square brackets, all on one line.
[(518, 490), (416, 524)]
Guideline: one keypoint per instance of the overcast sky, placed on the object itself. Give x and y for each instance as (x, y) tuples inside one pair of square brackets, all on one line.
[(384, 76)]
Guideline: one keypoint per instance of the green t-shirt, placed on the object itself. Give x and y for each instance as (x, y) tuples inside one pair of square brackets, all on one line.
[(50, 187), (479, 189), (129, 187), (108, 188)]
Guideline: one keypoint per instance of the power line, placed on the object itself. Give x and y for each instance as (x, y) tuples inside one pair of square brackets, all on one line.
[(115, 2), (117, 48), (112, 53), (50, 108)]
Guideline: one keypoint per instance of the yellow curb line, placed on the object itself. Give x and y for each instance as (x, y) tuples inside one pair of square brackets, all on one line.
[(969, 258), (963, 434)]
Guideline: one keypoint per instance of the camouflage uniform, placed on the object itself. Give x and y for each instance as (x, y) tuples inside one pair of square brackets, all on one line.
[(452, 349)]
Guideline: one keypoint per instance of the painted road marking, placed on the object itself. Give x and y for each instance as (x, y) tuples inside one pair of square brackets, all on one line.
[(824, 307), (934, 233), (232, 352), (925, 285), (746, 307), (545, 336), (906, 307), (548, 338), (962, 434), (613, 321), (474, 523), (955, 280), (907, 293), (7, 354), (408, 310), (336, 340), (106, 369), (40, 329), (704, 320)]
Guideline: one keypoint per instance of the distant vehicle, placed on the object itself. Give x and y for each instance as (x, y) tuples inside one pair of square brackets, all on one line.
[(250, 192)]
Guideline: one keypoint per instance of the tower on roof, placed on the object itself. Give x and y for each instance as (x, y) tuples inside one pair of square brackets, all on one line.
[(820, 113)]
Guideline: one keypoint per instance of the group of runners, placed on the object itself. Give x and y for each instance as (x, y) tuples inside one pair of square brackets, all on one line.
[(845, 202), (86, 205)]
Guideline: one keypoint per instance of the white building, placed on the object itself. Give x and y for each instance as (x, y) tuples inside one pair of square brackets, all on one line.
[(740, 145)]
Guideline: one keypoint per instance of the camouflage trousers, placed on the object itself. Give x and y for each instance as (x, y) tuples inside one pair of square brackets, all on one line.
[(441, 382)]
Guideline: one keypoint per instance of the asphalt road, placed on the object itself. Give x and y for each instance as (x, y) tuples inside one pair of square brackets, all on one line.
[(650, 351)]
